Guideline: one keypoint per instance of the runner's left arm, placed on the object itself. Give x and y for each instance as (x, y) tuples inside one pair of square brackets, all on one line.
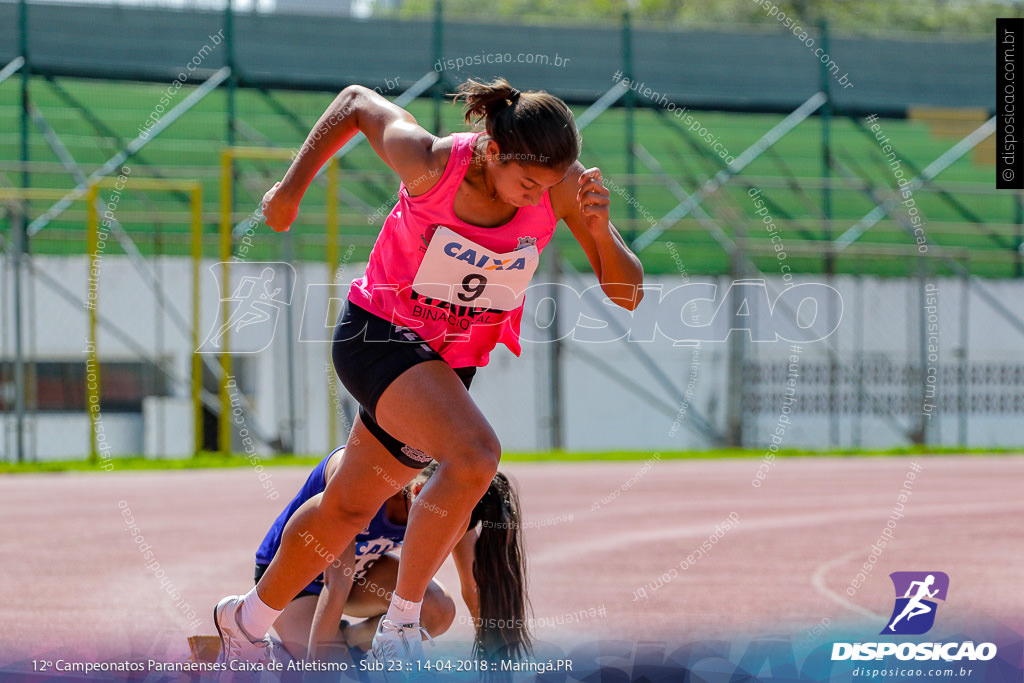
[(324, 631), (463, 554), (412, 152), (582, 201)]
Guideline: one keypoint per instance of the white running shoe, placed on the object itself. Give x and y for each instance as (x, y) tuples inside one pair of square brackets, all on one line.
[(399, 646), (235, 643)]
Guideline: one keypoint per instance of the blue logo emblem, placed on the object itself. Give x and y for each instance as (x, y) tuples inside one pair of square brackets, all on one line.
[(916, 593)]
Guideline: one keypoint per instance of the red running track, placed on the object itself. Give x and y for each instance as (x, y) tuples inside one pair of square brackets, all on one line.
[(74, 581)]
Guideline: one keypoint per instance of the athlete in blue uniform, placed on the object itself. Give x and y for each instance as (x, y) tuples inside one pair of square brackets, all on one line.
[(359, 581)]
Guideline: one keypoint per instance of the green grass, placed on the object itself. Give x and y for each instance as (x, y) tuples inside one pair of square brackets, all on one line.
[(212, 460), (204, 461), (190, 148)]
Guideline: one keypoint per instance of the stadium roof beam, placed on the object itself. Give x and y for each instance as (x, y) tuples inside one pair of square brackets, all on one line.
[(973, 281), (920, 434), (100, 127), (303, 129), (719, 164), (863, 183), (135, 256), (133, 147), (797, 116), (350, 198), (677, 191), (72, 167), (261, 140), (955, 203), (699, 423), (945, 160), (731, 248), (603, 103), (291, 117), (64, 155), (126, 242), (792, 185), (11, 68), (692, 202), (685, 172), (414, 91), (874, 195)]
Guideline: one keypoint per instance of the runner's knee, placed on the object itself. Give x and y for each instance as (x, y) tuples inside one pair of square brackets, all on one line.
[(348, 510), (473, 458)]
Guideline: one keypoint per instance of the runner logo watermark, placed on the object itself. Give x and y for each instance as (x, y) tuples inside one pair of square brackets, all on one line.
[(254, 305), (914, 612)]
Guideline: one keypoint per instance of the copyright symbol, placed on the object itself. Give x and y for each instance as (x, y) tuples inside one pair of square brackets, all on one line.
[(1007, 174)]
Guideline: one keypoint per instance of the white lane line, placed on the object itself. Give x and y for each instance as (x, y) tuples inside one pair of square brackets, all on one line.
[(818, 581), (602, 541)]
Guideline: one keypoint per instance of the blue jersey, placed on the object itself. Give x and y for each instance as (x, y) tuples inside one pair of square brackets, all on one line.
[(380, 535)]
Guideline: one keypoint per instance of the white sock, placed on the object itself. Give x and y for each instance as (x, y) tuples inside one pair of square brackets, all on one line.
[(404, 611), (255, 616)]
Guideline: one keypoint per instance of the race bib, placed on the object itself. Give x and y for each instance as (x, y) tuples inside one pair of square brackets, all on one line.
[(463, 273), (368, 552)]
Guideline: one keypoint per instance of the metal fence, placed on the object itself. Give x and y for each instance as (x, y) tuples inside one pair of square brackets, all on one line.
[(223, 78)]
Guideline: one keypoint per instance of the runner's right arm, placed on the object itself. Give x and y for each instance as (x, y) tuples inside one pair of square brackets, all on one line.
[(411, 152)]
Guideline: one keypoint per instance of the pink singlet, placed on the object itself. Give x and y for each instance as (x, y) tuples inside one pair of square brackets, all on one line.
[(459, 286)]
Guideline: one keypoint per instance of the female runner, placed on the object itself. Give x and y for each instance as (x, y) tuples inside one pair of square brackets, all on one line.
[(360, 581), (444, 285)]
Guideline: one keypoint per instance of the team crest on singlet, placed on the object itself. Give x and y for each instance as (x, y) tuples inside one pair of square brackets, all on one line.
[(526, 241), (460, 272)]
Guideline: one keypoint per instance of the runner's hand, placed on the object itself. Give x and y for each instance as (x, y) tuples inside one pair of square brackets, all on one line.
[(594, 200), (279, 211)]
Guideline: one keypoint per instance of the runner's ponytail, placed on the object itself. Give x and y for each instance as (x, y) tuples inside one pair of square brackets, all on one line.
[(531, 127), (499, 569)]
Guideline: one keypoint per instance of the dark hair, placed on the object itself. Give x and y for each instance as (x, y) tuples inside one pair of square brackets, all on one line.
[(531, 127), (499, 568)]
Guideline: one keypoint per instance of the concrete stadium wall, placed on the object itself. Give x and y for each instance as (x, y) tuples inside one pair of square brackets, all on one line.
[(880, 324)]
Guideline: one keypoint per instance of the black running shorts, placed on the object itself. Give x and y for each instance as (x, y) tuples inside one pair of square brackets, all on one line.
[(369, 353)]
